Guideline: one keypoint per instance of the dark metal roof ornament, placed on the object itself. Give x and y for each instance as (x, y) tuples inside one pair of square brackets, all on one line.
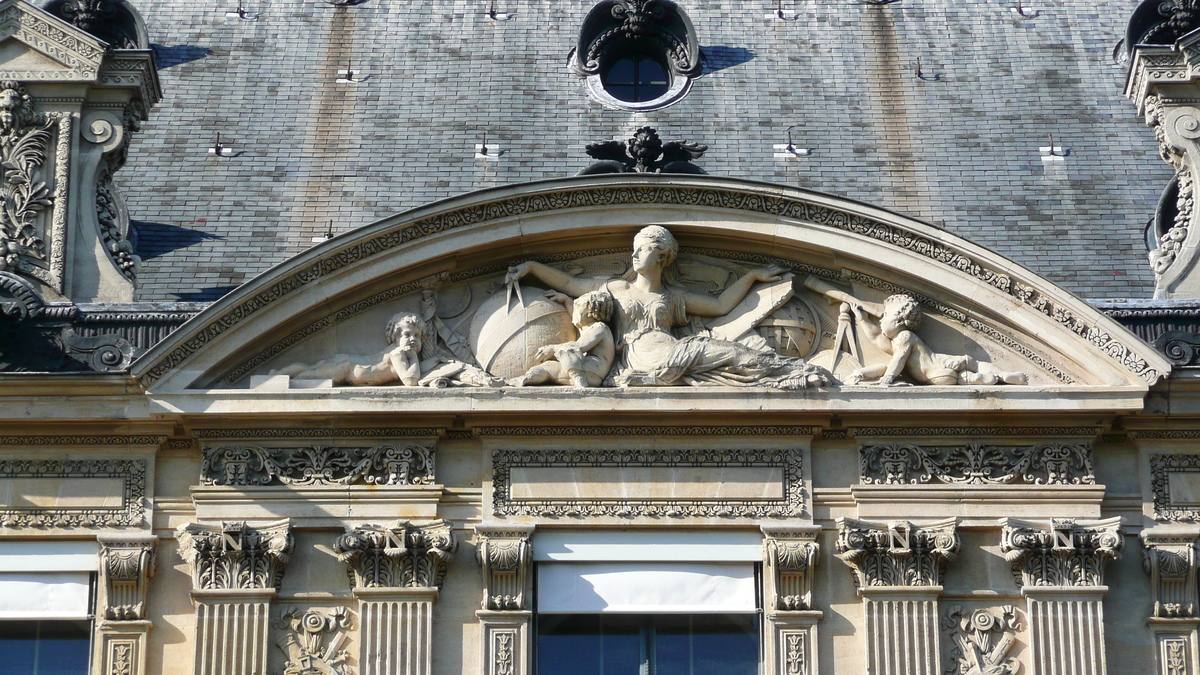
[(1162, 22), (113, 21), (644, 153), (614, 28)]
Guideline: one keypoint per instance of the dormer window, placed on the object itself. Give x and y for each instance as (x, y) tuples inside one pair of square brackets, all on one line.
[(637, 54)]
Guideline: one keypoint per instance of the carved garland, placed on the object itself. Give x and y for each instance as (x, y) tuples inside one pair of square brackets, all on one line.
[(503, 504), (131, 512), (977, 464), (785, 207), (1161, 468), (385, 464)]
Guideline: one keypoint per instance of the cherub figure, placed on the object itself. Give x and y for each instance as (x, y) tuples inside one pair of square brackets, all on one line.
[(584, 362), (895, 334), (401, 362)]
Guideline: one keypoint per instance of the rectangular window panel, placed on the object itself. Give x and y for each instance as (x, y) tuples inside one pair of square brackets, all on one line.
[(663, 644), (642, 588), (44, 647)]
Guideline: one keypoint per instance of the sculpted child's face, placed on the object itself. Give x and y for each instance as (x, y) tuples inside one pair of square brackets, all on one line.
[(408, 339), (890, 322)]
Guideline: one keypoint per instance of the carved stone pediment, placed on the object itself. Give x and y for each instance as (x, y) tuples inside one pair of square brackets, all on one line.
[(35, 45)]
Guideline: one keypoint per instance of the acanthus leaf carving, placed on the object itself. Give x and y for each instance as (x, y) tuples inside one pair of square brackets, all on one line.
[(980, 641), (977, 464), (1169, 556), (791, 556), (404, 555), (234, 555), (126, 565), (505, 556), (399, 463), (897, 553), (24, 139), (1063, 552)]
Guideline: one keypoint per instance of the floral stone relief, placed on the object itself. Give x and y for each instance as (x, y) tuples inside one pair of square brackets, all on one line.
[(653, 318)]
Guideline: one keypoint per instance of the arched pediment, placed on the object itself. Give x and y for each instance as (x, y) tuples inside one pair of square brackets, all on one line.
[(338, 296)]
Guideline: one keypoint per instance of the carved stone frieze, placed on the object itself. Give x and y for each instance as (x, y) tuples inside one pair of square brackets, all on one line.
[(897, 553), (1169, 556), (404, 555), (977, 464), (792, 503), (254, 465), (312, 641), (773, 203), (505, 556), (791, 556), (25, 138), (980, 641), (1062, 552), (131, 512), (126, 565), (1162, 467), (234, 555)]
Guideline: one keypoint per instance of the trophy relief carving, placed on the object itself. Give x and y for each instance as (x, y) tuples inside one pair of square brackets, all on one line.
[(24, 139), (655, 316)]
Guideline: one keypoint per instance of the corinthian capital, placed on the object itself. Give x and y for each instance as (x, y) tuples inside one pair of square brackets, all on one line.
[(504, 554), (1169, 557), (234, 555), (897, 553), (403, 555), (1061, 552), (126, 565)]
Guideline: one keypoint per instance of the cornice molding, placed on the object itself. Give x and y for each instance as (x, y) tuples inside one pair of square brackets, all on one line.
[(702, 431)]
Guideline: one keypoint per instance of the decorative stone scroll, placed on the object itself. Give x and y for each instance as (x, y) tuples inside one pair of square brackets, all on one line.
[(898, 569), (236, 570), (505, 555), (401, 556), (399, 463), (1060, 566), (897, 553), (1169, 556), (312, 641), (126, 476), (790, 639), (980, 641), (126, 565), (782, 468), (235, 555), (977, 464)]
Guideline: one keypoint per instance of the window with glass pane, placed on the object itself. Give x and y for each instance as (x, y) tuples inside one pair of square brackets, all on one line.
[(635, 79), (44, 647), (654, 644)]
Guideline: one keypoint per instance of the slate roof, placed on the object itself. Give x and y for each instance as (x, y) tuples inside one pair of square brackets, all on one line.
[(960, 151)]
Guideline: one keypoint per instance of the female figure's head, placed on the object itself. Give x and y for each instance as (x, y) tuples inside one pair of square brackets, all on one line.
[(654, 248)]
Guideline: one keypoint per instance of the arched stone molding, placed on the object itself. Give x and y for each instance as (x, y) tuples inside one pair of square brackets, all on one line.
[(492, 229)]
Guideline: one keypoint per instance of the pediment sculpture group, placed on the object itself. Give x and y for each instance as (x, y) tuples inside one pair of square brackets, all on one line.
[(644, 329)]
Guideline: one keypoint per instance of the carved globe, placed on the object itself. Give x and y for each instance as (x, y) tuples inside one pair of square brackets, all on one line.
[(506, 333)]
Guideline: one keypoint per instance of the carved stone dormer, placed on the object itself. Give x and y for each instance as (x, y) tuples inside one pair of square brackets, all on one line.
[(898, 553), (235, 555), (126, 565), (403, 555), (1063, 552), (76, 81), (505, 556)]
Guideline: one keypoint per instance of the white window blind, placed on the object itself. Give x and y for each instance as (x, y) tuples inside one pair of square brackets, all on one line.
[(648, 546), (46, 579), (643, 588)]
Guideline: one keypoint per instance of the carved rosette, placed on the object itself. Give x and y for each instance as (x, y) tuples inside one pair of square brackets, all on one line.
[(126, 565), (404, 555), (234, 555), (977, 464), (1169, 556), (980, 641), (791, 557), (253, 465), (505, 556), (1063, 552), (897, 553)]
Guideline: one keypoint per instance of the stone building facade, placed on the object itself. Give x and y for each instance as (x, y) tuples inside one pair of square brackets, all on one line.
[(372, 384)]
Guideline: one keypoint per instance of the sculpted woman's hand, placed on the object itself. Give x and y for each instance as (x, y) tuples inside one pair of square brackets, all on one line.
[(771, 273), (517, 271)]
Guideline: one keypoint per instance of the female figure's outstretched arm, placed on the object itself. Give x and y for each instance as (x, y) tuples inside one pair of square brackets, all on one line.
[(556, 279), (702, 305)]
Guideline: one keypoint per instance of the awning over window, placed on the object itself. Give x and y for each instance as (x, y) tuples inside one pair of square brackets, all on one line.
[(46, 579), (648, 546), (578, 588)]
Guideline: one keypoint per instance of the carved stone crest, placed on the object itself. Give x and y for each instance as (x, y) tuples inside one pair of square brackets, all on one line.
[(235, 555), (404, 555), (313, 639), (981, 640)]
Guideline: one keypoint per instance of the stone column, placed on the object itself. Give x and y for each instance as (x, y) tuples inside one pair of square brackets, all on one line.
[(1060, 566), (790, 637), (505, 556), (1169, 557), (397, 572), (236, 570), (898, 568), (126, 565)]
